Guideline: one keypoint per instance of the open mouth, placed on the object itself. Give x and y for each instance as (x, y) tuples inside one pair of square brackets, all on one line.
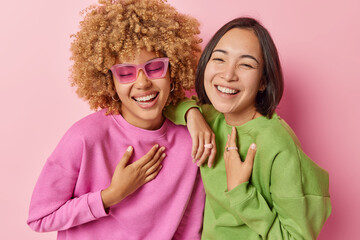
[(226, 90), (146, 99)]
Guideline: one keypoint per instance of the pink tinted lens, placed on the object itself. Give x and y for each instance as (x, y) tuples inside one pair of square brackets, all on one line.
[(126, 73), (155, 69)]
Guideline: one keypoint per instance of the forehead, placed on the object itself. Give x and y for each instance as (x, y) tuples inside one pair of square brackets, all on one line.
[(136, 57), (240, 41)]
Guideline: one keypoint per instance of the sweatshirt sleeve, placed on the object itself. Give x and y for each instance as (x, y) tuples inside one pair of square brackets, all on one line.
[(300, 197), (176, 113), (191, 222), (53, 206)]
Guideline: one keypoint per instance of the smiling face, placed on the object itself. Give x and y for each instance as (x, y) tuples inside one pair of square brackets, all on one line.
[(143, 100), (232, 76)]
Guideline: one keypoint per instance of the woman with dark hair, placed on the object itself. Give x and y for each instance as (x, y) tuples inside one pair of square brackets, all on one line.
[(278, 194)]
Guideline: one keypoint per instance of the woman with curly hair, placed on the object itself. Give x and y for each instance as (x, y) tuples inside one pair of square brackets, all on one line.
[(131, 58)]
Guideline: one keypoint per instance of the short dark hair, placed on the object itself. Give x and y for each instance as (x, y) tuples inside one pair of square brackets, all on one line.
[(272, 78)]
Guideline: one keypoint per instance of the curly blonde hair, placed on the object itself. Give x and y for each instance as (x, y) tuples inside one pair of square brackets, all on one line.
[(115, 30)]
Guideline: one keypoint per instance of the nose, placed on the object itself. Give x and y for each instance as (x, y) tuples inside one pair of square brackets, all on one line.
[(142, 82), (228, 73)]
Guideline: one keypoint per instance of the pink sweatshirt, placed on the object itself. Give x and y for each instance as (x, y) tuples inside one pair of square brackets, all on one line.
[(67, 197)]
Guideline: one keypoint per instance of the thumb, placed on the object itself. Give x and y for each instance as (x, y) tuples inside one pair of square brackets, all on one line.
[(250, 154), (126, 157)]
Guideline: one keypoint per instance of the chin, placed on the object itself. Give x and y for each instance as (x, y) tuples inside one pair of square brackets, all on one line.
[(223, 108), (151, 115)]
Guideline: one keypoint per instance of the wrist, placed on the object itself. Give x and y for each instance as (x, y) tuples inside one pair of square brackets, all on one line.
[(110, 197), (231, 186), (192, 111)]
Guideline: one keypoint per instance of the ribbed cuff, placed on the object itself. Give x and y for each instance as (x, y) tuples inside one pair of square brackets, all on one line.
[(240, 194), (177, 113), (96, 205)]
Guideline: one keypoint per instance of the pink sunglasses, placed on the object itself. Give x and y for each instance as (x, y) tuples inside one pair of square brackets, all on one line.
[(153, 69)]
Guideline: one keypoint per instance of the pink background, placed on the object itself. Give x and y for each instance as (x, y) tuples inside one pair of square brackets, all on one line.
[(319, 48)]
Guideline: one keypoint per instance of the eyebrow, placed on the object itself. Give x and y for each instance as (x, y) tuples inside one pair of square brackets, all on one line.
[(242, 56), (138, 64)]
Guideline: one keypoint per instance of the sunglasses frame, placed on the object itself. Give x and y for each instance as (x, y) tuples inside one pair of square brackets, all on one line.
[(165, 60)]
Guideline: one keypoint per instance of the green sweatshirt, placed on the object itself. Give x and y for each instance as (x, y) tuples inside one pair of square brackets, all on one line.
[(287, 196)]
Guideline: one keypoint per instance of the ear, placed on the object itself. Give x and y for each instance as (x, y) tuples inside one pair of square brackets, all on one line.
[(262, 86)]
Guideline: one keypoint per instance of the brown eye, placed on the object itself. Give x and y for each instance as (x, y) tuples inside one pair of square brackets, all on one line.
[(126, 71), (246, 66), (218, 60), (154, 66)]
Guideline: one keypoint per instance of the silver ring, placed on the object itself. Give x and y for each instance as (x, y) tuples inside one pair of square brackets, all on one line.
[(231, 148), (208, 145)]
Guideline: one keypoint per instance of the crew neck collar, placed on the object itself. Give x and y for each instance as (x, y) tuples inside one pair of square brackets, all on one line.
[(250, 124), (126, 126)]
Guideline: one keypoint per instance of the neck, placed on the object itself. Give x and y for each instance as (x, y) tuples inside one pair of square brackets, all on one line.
[(238, 119), (152, 124)]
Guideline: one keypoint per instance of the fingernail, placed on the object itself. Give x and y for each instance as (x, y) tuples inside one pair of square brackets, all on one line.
[(129, 148), (193, 160), (156, 145), (209, 165), (162, 148), (253, 146), (163, 155)]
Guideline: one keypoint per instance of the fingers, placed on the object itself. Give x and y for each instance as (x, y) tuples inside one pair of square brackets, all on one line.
[(153, 168), (155, 158), (205, 147), (227, 142), (153, 175), (201, 134), (231, 145), (213, 152), (148, 156), (226, 153), (232, 140), (250, 156), (204, 156), (126, 157), (200, 148), (195, 145)]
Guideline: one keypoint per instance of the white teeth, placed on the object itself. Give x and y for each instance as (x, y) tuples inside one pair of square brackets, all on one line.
[(226, 90), (145, 98)]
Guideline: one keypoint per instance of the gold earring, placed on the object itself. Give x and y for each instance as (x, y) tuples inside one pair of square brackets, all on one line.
[(118, 99)]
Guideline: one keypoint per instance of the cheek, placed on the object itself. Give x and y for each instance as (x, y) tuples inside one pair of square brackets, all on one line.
[(209, 72), (166, 91), (207, 83), (252, 81), (208, 76), (122, 91), (165, 87)]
